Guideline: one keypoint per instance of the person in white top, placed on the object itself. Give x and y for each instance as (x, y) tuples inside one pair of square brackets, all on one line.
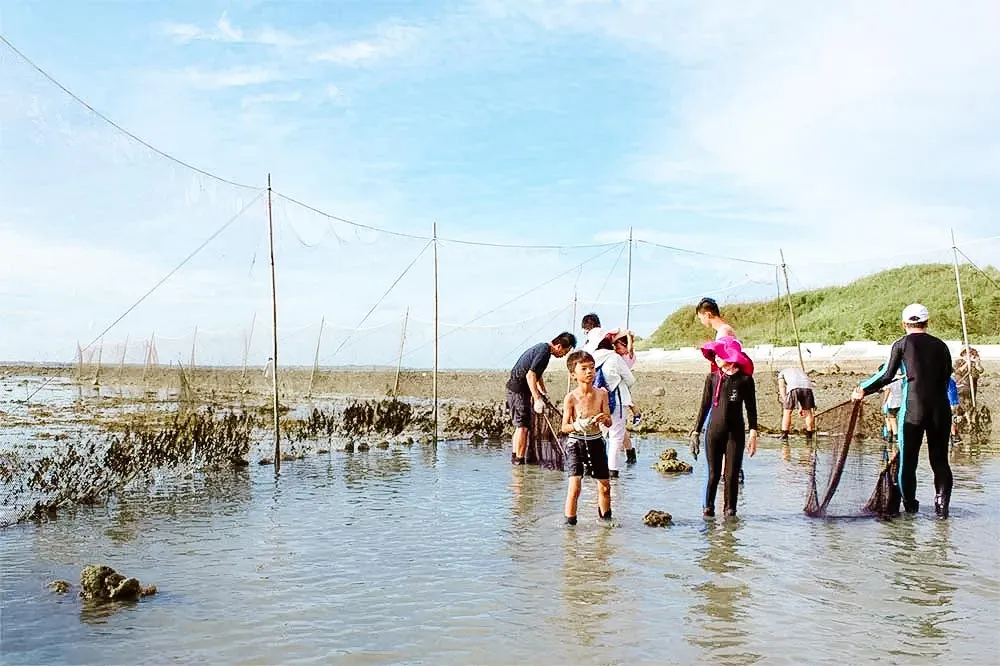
[(616, 377), (892, 400), (709, 315), (592, 332), (795, 388)]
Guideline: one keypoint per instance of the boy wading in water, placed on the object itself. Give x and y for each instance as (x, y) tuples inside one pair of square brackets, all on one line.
[(728, 390), (585, 410)]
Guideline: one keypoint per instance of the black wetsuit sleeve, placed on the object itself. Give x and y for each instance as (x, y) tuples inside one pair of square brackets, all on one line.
[(706, 402), (884, 377), (750, 400)]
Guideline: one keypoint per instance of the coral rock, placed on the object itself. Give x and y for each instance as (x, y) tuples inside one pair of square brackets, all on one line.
[(59, 586), (654, 518), (103, 583), (669, 464)]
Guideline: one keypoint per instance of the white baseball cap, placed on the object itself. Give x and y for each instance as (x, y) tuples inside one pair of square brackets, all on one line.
[(915, 313)]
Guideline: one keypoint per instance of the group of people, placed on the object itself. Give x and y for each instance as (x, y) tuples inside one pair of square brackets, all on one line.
[(594, 412)]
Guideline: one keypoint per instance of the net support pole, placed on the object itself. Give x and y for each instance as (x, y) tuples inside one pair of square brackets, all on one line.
[(569, 377), (399, 362), (965, 327), (100, 354), (121, 363), (628, 281), (79, 361), (791, 311), (246, 346), (194, 343), (274, 340), (435, 380), (319, 339)]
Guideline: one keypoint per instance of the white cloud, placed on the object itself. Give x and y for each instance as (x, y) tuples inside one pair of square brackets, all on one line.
[(853, 121), (235, 77), (270, 98), (390, 40), (225, 31)]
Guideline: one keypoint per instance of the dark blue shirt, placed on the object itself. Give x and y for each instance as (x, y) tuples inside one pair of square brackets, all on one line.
[(535, 359)]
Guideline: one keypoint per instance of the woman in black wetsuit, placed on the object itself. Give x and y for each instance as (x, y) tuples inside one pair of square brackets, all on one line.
[(729, 389)]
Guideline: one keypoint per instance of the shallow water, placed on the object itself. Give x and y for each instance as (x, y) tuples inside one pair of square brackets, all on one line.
[(448, 555)]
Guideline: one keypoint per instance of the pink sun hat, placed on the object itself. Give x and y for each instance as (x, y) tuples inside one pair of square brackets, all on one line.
[(729, 349)]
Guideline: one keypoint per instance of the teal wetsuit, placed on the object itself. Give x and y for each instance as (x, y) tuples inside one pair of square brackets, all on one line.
[(925, 363)]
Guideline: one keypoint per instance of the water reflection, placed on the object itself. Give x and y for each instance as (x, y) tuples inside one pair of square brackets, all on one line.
[(588, 589), (922, 567), (720, 621)]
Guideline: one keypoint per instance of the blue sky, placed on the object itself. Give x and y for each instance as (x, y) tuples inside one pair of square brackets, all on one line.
[(845, 134)]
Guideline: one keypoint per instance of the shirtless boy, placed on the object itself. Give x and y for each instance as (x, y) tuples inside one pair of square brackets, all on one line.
[(709, 315), (585, 410)]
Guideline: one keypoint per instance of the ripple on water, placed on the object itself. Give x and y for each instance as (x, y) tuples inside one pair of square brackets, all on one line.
[(448, 555)]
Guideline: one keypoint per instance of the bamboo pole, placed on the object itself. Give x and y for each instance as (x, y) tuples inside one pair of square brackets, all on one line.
[(965, 327), (791, 311), (246, 346), (194, 342), (319, 338), (79, 361), (435, 386), (399, 363), (274, 322), (100, 355), (628, 281), (121, 363), (569, 377)]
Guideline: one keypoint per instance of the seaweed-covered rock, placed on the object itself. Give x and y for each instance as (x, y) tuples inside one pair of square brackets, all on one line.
[(362, 447), (669, 464), (654, 518), (102, 583), (59, 586), (383, 444)]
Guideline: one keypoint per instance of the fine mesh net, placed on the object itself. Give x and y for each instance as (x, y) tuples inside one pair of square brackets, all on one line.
[(545, 443), (846, 467)]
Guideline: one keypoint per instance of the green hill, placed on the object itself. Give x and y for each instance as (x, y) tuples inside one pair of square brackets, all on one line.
[(866, 309)]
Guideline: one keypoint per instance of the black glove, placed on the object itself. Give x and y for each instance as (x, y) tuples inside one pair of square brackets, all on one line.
[(695, 443)]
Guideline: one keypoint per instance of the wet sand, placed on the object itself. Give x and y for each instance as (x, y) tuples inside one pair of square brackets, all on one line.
[(668, 396)]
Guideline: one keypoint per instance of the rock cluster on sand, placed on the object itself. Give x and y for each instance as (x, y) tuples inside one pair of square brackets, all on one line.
[(668, 463), (103, 583), (654, 518)]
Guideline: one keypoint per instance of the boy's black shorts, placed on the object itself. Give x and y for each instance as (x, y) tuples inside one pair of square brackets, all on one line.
[(587, 455), (519, 405)]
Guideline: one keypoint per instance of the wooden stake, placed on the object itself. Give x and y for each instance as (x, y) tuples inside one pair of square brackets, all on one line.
[(628, 281), (319, 338), (121, 363), (246, 345), (791, 311), (274, 322), (100, 354), (399, 363), (435, 387), (965, 328), (194, 341)]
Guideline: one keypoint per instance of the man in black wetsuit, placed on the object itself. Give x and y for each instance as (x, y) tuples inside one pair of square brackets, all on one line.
[(925, 363)]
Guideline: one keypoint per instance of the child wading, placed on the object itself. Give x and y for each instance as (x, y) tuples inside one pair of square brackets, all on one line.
[(728, 390), (585, 410)]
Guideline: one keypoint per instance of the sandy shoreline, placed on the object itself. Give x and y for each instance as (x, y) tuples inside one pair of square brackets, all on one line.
[(668, 396)]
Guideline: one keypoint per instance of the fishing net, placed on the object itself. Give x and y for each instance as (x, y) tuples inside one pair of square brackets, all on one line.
[(545, 443), (845, 465)]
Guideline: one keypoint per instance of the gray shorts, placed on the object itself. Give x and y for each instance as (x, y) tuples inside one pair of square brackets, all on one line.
[(519, 405), (802, 397)]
